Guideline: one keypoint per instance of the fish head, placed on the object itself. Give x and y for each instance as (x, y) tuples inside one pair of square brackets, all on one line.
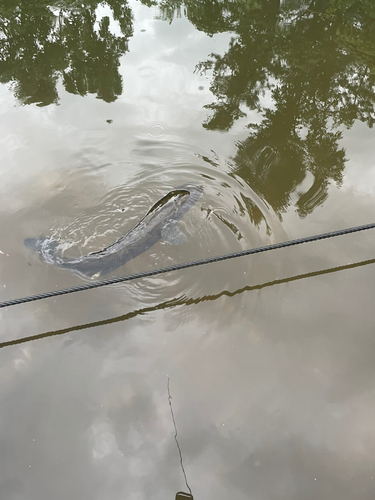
[(34, 243), (45, 247)]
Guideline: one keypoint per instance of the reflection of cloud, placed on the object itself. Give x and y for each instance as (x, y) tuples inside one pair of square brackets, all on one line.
[(298, 469), (24, 360), (252, 396), (103, 440)]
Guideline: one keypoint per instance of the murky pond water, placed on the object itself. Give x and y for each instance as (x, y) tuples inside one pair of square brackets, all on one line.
[(246, 379)]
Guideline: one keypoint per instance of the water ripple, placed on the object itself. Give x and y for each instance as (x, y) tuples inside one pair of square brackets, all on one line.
[(229, 217)]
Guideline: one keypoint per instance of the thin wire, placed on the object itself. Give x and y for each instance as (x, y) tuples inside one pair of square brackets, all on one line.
[(175, 437), (186, 265)]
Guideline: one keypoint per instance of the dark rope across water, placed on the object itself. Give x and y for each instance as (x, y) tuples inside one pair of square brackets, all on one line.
[(186, 265), (183, 301)]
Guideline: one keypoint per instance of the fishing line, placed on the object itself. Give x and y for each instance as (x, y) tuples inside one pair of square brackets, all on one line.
[(186, 265), (177, 443)]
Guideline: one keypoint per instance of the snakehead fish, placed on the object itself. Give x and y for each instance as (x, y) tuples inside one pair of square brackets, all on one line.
[(159, 223)]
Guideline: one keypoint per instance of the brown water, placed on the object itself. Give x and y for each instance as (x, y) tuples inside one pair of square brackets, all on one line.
[(269, 358)]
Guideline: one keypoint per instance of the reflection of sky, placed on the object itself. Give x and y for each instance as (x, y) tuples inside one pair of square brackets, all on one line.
[(103, 10), (360, 174), (274, 400), (159, 70), (272, 390)]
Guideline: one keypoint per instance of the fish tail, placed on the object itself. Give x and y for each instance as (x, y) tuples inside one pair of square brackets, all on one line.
[(47, 248)]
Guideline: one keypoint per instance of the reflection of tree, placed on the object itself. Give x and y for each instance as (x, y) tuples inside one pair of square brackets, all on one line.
[(208, 16), (40, 42), (315, 61)]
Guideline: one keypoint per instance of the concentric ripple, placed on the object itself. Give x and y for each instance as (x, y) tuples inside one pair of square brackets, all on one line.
[(228, 217)]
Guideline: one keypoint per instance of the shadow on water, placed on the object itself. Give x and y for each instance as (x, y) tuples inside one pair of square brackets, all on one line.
[(184, 301), (41, 42)]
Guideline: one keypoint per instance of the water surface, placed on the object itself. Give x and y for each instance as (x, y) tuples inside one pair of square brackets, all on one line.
[(105, 108)]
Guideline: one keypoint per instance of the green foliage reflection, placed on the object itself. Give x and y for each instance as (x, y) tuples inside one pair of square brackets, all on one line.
[(308, 68), (40, 42)]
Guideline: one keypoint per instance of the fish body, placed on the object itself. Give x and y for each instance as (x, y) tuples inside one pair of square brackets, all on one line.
[(159, 223)]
